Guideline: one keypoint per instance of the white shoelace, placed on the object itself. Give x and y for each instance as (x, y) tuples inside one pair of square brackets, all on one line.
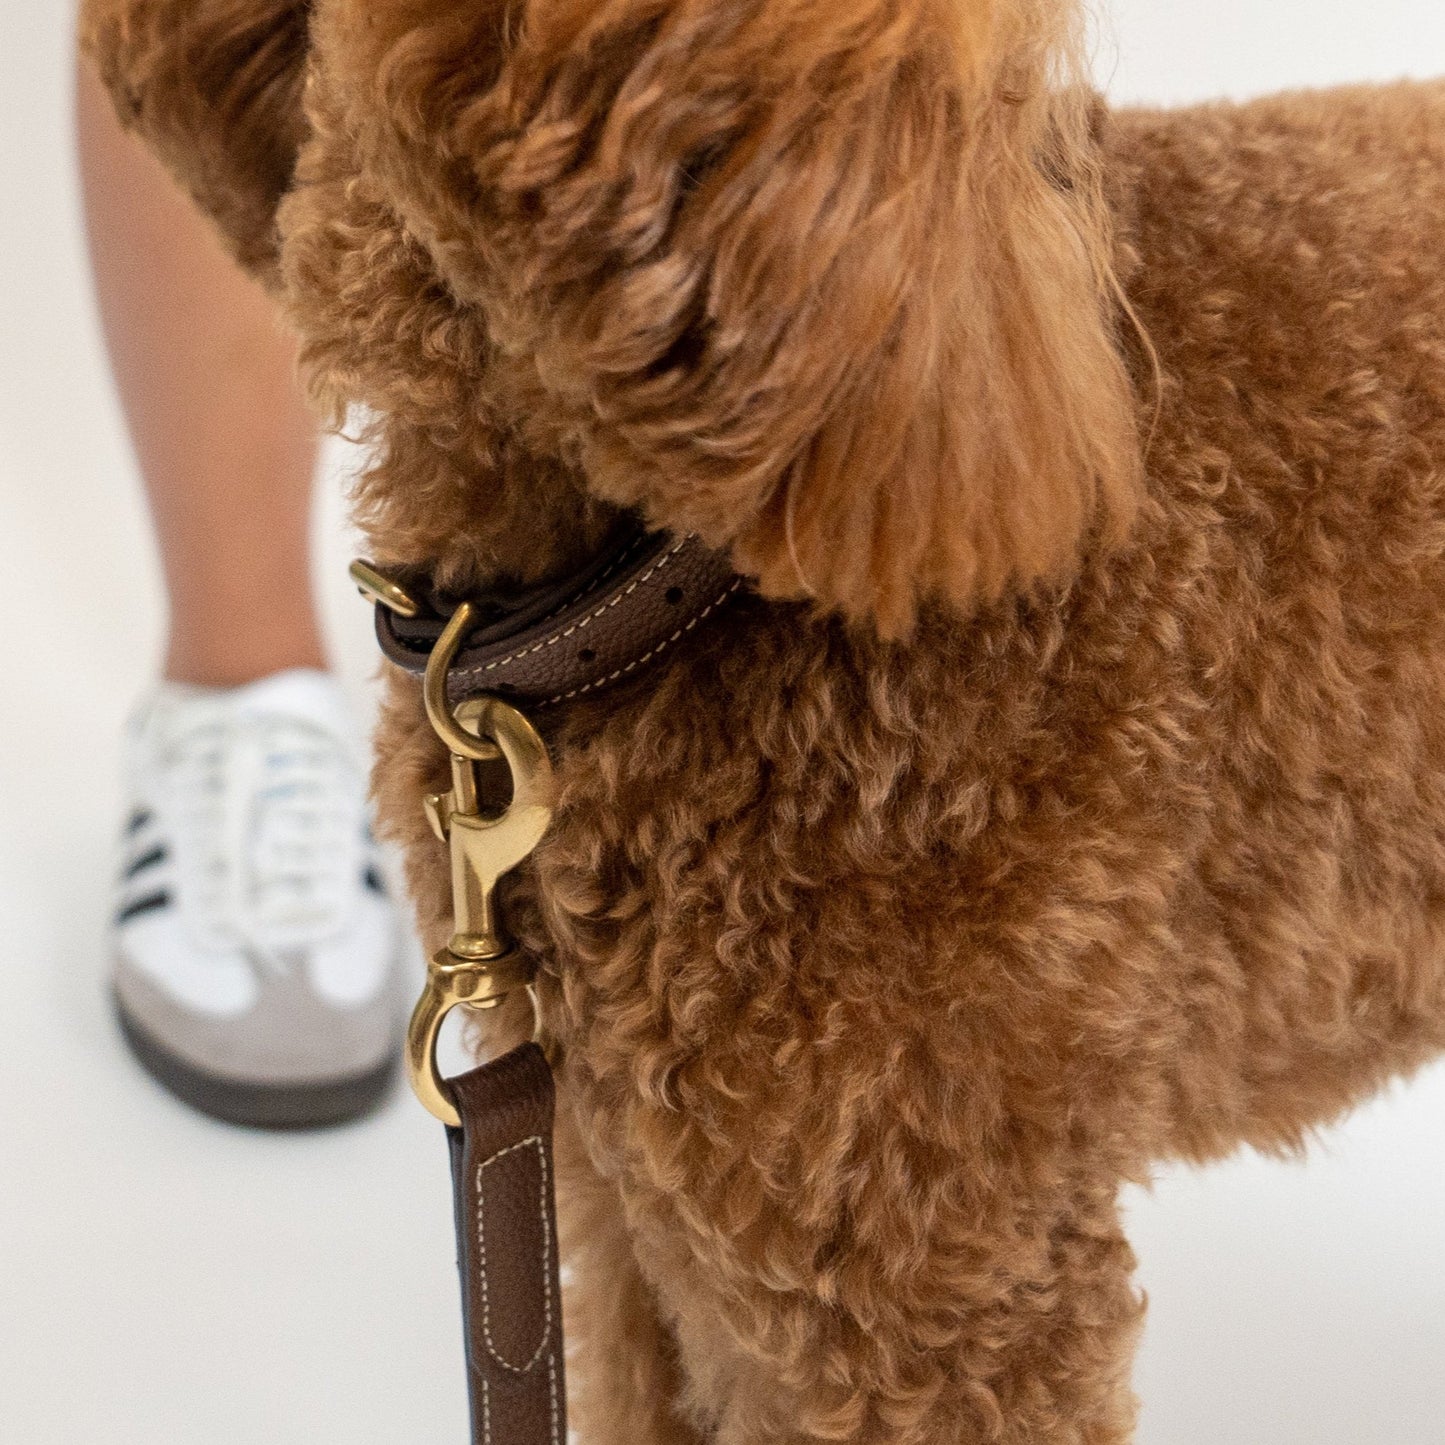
[(269, 825)]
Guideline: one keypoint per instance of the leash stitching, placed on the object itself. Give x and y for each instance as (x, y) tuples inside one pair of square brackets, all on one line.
[(534, 1142), (552, 1387)]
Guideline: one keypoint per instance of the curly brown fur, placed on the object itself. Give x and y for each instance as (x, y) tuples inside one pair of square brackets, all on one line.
[(881, 957)]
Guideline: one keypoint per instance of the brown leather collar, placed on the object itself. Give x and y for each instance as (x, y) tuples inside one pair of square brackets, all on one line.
[(640, 596)]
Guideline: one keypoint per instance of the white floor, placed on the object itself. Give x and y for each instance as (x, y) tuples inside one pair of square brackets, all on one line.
[(167, 1282)]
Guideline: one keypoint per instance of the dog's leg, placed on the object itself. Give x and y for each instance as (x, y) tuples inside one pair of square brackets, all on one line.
[(924, 1315), (624, 1379)]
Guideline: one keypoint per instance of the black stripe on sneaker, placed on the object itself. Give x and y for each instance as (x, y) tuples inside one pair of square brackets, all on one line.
[(146, 860), (149, 904), (138, 820), (374, 881)]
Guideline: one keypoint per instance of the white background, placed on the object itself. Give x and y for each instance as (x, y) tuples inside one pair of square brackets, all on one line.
[(164, 1281)]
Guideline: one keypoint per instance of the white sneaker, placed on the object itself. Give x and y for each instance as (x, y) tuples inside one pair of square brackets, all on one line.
[(256, 951)]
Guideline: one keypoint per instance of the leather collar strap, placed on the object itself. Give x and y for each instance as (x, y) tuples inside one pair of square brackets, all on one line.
[(641, 596)]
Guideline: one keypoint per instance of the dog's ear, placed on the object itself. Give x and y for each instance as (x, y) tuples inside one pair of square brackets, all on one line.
[(827, 281), (214, 87)]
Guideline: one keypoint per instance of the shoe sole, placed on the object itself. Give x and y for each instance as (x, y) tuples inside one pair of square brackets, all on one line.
[(258, 1106)]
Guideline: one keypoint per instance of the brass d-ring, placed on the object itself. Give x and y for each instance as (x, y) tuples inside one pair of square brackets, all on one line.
[(462, 743)]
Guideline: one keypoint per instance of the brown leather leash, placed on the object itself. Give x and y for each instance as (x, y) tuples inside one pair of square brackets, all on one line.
[(507, 1250), (478, 657)]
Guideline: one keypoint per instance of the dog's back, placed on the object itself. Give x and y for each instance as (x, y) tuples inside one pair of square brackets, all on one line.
[(931, 944)]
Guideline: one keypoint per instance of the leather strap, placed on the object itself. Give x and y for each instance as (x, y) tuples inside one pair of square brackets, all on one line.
[(641, 596), (507, 1250)]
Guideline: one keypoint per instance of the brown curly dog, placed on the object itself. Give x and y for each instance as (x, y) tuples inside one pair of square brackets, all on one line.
[(1070, 792)]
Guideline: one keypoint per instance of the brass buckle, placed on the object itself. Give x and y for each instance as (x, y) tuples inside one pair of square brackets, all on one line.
[(378, 587), (479, 967)]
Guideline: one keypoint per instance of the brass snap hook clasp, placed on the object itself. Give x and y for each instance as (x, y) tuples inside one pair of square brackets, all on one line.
[(479, 967)]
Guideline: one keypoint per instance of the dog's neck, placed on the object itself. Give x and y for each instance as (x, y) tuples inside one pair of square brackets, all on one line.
[(486, 506)]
